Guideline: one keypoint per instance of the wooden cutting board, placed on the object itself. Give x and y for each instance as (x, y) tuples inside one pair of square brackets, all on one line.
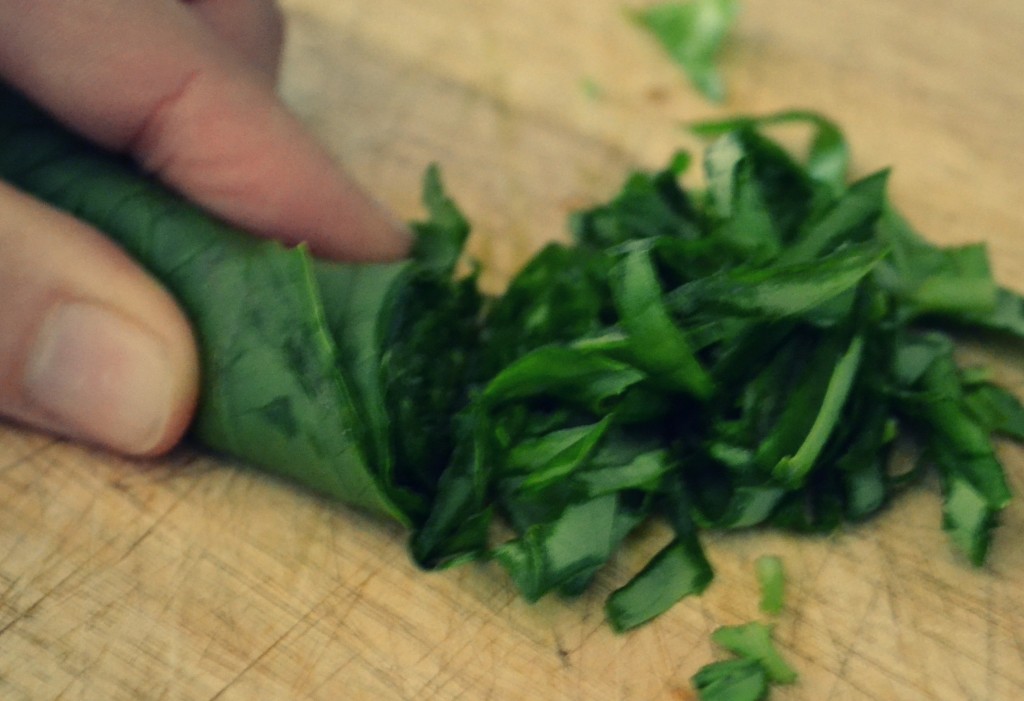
[(193, 578)]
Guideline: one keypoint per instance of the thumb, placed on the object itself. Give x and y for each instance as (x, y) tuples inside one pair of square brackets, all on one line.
[(90, 347)]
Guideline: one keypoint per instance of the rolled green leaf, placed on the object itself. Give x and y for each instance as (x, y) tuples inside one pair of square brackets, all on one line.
[(291, 349)]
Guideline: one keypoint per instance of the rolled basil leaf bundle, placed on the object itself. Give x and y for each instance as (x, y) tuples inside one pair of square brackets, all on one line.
[(302, 360)]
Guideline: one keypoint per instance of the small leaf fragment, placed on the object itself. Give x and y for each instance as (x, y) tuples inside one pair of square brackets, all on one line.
[(680, 569), (772, 578), (731, 680), (692, 33), (754, 641)]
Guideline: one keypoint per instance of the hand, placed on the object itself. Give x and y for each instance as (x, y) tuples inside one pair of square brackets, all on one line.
[(90, 346)]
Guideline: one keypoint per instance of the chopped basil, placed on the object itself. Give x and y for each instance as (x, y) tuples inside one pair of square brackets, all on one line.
[(735, 357)]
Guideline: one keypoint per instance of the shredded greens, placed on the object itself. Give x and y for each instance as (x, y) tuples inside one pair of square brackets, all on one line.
[(740, 356)]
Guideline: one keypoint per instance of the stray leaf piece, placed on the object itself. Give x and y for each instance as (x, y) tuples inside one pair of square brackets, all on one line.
[(772, 578), (692, 33), (754, 641), (731, 680), (679, 570)]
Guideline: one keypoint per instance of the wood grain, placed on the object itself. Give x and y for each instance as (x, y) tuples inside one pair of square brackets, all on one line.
[(194, 578)]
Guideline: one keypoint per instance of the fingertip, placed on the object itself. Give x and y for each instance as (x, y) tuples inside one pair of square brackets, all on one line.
[(99, 375), (360, 228)]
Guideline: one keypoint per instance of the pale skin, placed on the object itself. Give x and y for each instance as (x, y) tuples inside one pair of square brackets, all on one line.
[(91, 347)]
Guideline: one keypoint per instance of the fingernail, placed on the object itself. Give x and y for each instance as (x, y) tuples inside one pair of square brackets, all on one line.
[(101, 377)]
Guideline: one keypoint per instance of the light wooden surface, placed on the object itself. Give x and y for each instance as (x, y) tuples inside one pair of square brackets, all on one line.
[(192, 578)]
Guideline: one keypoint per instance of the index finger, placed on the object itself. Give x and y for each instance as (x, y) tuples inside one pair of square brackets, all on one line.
[(148, 77)]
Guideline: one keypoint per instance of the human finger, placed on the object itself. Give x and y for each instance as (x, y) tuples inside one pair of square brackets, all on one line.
[(150, 78), (254, 28), (90, 347)]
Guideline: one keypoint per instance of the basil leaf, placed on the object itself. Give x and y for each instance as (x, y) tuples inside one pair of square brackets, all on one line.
[(552, 554), (556, 455), (305, 417), (589, 379), (794, 468), (678, 570), (968, 518), (777, 291), (952, 282), (656, 345)]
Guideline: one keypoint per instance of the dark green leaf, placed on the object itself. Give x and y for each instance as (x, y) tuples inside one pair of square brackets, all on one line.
[(648, 207), (589, 379), (955, 283), (656, 344), (848, 220), (677, 571), (793, 469), (552, 554), (1007, 316), (773, 292), (643, 472), (556, 455)]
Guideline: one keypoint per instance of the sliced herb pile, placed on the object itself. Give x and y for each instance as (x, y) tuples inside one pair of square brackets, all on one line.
[(741, 356)]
